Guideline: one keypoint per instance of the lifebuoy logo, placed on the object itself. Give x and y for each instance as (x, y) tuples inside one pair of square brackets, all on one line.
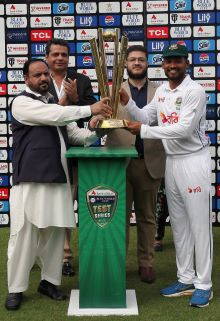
[(157, 32), (4, 194), (41, 35)]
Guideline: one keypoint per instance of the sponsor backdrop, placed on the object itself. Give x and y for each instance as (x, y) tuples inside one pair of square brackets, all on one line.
[(27, 25)]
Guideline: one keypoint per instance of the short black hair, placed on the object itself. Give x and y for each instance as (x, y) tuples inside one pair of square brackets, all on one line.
[(56, 41), (136, 48), (31, 61)]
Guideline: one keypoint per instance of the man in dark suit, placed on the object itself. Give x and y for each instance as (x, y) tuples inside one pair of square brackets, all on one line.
[(144, 173), (79, 92)]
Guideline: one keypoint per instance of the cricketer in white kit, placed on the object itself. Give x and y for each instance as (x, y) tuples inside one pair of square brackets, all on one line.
[(178, 110)]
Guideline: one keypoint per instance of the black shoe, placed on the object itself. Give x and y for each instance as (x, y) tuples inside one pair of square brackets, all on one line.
[(146, 274), (51, 290), (158, 246), (13, 301), (67, 269)]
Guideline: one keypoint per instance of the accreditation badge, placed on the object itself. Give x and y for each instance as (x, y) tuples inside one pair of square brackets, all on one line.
[(102, 201)]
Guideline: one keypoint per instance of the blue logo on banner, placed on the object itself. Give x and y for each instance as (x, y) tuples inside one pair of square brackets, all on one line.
[(218, 180), (134, 34), (109, 21), (9, 116), (85, 61), (203, 17), (211, 112), (14, 35), (38, 48), (86, 21), (4, 180), (218, 17), (204, 58), (10, 154), (204, 45), (218, 31), (63, 8), (218, 72), (180, 5), (155, 60), (213, 138), (156, 46), (187, 43), (4, 206), (83, 47), (2, 75), (210, 98), (72, 47)]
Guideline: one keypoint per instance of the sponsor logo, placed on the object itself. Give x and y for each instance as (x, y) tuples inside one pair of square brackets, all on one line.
[(2, 9), (3, 152), (15, 75), (63, 21), (16, 62), (210, 112), (4, 180), (14, 35), (203, 17), (211, 99), (155, 59), (208, 85), (2, 102), (41, 22), (132, 19), (86, 7), (194, 190), (155, 19), (16, 22), (2, 75), (83, 47), (204, 45), (181, 32), (157, 46), (4, 219), (67, 34), (170, 119), (203, 4), (204, 58), (95, 87), (108, 21), (86, 34), (157, 32), (212, 138), (3, 89), (154, 6), (210, 125), (16, 9), (38, 48), (204, 72), (109, 7), (84, 61), (109, 47), (40, 9), (218, 31), (63, 8), (156, 72), (203, 31), (3, 117), (3, 167), (180, 5), (41, 35), (72, 62), (180, 18), (2, 41), (86, 21), (4, 206), (134, 34), (4, 193), (15, 89), (187, 43), (17, 49), (132, 6), (91, 73), (3, 129)]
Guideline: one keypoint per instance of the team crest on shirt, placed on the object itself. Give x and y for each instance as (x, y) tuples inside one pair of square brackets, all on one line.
[(178, 103)]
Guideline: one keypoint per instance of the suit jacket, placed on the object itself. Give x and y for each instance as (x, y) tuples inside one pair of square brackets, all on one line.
[(154, 154), (84, 89)]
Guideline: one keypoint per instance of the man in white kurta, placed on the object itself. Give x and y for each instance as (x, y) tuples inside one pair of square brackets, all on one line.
[(40, 212)]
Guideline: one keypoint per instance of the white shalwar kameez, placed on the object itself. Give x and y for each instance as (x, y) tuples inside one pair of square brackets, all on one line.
[(40, 212), (180, 115)]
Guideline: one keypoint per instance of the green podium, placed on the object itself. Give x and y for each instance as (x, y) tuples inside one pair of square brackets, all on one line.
[(102, 225)]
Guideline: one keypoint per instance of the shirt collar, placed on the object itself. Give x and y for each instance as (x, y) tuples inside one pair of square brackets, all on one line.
[(181, 86), (133, 86), (28, 90)]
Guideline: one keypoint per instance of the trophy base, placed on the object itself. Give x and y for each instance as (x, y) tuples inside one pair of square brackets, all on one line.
[(112, 123)]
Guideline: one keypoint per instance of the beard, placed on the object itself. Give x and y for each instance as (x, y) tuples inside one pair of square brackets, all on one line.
[(141, 75)]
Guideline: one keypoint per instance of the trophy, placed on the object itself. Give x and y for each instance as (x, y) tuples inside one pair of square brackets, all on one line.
[(99, 57)]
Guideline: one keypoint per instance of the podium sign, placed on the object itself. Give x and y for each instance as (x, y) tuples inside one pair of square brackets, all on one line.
[(102, 225)]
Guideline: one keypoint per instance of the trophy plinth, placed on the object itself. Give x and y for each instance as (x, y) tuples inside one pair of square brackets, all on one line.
[(112, 123)]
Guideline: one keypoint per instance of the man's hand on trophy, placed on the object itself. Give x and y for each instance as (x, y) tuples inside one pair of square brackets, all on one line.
[(134, 127), (102, 108), (70, 88), (124, 97)]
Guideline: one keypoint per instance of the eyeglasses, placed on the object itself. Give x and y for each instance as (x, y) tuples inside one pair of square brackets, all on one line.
[(141, 60)]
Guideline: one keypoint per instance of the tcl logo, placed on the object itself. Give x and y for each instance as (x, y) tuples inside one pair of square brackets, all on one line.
[(155, 32), (41, 35), (4, 193)]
